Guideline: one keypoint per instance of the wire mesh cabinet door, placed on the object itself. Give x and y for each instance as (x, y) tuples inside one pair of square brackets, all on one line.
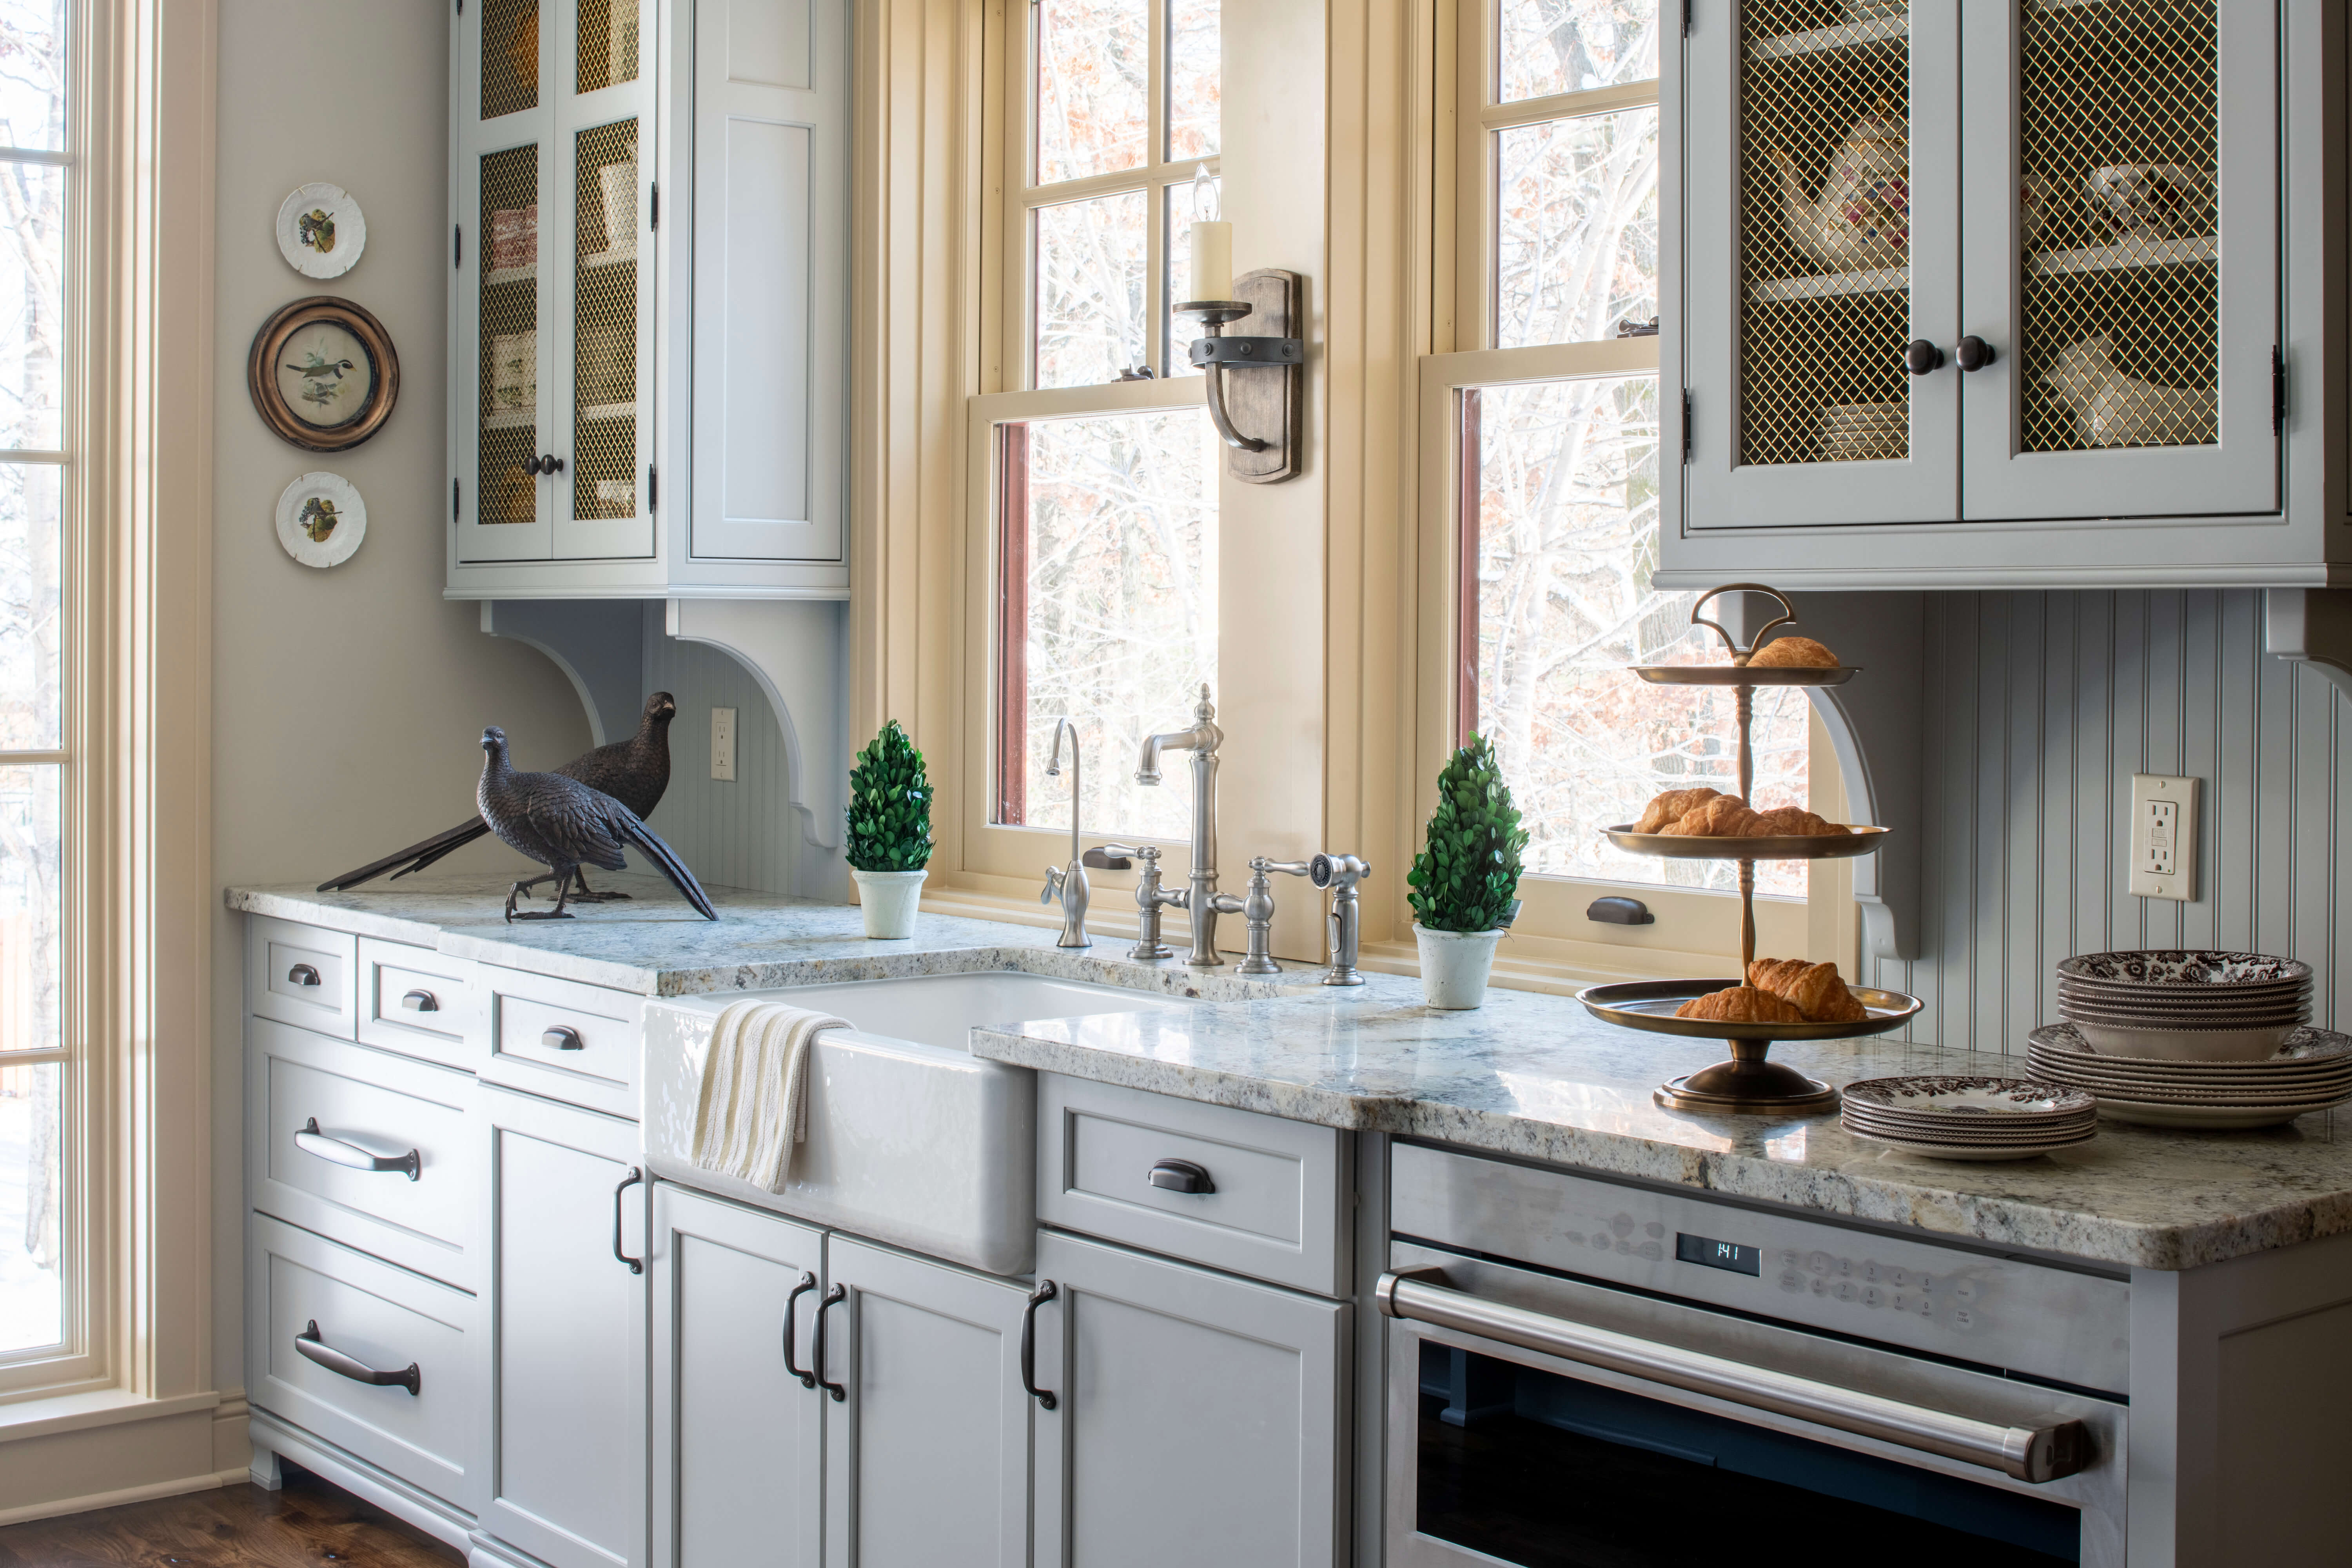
[(2121, 193), (1820, 167), (502, 139)]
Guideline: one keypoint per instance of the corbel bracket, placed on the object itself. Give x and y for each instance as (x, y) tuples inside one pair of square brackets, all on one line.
[(2311, 626)]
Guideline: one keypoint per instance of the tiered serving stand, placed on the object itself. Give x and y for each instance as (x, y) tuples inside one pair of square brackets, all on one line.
[(1748, 1084)]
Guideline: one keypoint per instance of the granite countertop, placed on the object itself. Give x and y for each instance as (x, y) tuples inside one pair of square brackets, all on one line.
[(1528, 1074)]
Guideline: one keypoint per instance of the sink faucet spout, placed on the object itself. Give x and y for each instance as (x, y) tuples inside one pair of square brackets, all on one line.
[(1203, 740)]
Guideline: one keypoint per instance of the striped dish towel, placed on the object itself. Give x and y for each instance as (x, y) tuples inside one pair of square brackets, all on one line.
[(754, 1103)]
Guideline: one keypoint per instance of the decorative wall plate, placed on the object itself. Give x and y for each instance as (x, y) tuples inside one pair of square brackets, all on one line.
[(321, 231), (322, 519), (322, 373)]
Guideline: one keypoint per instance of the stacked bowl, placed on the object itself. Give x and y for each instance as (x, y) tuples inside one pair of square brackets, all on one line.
[(1853, 432), (2185, 1006), (2312, 1071), (1969, 1117)]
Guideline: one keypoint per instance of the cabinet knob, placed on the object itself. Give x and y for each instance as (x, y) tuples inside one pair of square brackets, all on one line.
[(1922, 356), (550, 464), (1974, 353), (301, 974)]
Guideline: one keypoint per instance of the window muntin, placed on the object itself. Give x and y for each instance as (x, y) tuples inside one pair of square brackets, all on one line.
[(37, 1077), (1122, 100), (1107, 608)]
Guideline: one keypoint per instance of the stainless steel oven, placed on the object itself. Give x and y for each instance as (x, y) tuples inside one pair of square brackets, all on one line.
[(1586, 1372)]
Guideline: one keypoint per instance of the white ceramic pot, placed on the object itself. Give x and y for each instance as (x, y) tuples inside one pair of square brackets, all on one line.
[(1454, 965), (888, 901)]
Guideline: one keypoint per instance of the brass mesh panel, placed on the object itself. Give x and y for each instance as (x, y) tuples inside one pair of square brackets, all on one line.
[(510, 56), (2121, 324), (507, 255), (1824, 230), (608, 43), (605, 325)]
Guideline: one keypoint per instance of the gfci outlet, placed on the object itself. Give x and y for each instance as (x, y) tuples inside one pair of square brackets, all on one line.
[(722, 743), (2164, 837)]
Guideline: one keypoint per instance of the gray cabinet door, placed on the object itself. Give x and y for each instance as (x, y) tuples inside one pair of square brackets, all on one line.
[(928, 1456), (1199, 1418), (2121, 181), (567, 1334), (1815, 248), (737, 1437)]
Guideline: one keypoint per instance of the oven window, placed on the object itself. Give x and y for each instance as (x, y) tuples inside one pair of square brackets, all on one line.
[(1549, 1472)]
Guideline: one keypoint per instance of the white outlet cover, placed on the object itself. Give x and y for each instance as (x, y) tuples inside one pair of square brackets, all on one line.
[(722, 744), (2163, 837)]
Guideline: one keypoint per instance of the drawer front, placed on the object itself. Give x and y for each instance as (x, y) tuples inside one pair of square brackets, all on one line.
[(379, 1317), (578, 1043), (1276, 1208), (365, 1106), (423, 1003), (301, 974)]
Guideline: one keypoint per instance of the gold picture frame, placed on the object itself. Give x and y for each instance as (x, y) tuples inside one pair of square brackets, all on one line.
[(322, 373)]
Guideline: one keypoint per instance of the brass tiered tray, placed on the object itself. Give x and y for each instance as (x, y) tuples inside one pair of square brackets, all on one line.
[(1748, 1084)]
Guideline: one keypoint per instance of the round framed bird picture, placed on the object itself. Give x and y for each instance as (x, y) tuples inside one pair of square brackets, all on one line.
[(322, 373), (321, 231), (322, 519)]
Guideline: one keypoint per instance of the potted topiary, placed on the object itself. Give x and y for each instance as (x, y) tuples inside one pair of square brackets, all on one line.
[(1466, 879), (889, 831)]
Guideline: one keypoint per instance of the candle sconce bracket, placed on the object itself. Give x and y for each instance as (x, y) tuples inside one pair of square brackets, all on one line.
[(1257, 385)]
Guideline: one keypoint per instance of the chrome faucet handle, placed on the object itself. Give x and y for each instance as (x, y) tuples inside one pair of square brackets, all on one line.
[(1068, 883), (1287, 868), (1258, 909), (1148, 898)]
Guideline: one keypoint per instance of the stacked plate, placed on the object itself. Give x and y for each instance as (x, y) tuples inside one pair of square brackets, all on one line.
[(2185, 1006), (2313, 1071), (1971, 1118), (1855, 432)]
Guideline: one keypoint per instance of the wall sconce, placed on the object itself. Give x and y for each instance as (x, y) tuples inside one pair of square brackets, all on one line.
[(1258, 414)]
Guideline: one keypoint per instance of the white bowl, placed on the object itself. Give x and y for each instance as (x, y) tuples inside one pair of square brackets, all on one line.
[(2184, 1045)]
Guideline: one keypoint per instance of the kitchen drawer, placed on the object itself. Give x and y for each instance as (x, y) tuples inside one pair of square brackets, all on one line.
[(365, 1103), (382, 1318), (301, 974), (575, 1043), (423, 1003), (1278, 1210)]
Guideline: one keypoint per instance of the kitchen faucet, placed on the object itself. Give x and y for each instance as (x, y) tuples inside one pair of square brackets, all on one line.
[(1200, 898), (1069, 882)]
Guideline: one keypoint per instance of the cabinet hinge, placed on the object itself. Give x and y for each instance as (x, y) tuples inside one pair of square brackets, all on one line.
[(653, 487), (455, 511), (2278, 390), (656, 220), (458, 246), (1686, 427), (1686, 9)]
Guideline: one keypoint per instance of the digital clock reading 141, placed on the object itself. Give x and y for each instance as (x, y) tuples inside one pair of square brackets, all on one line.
[(1709, 1253)]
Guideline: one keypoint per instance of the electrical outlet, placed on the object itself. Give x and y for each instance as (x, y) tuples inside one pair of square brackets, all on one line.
[(722, 743), (2163, 837)]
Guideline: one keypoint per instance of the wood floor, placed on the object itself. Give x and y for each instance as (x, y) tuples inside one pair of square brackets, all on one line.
[(308, 1524)]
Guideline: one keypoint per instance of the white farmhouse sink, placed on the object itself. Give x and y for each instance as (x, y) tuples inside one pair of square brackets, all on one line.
[(911, 1139)]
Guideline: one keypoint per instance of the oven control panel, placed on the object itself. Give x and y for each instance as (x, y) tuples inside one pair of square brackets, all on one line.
[(2025, 1317)]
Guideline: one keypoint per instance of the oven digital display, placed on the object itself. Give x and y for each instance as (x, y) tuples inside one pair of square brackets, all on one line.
[(1709, 1253)]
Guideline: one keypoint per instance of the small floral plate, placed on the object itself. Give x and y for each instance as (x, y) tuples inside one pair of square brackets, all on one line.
[(322, 519), (1971, 1098), (321, 231)]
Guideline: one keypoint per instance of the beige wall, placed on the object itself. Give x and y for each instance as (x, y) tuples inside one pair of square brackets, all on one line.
[(346, 703)]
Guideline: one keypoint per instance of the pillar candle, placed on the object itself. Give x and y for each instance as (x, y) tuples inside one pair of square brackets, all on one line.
[(1213, 259)]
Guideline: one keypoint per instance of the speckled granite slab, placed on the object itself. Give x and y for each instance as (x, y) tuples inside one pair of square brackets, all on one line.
[(1528, 1074), (1538, 1076)]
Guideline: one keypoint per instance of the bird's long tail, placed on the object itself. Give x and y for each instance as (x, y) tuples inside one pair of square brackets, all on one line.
[(660, 854), (416, 858)]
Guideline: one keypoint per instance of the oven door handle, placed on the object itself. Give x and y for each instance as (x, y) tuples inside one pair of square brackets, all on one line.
[(2034, 1454)]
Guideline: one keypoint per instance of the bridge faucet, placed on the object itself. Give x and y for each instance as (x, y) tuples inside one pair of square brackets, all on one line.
[(1200, 898), (1069, 882)]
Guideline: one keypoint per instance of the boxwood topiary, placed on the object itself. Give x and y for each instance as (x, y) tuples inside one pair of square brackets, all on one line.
[(889, 806), (1467, 876)]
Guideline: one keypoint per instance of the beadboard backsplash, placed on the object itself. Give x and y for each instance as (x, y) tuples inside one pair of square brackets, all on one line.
[(2039, 708)]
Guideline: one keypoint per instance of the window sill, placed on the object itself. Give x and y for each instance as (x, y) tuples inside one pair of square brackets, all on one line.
[(42, 1415), (1561, 967)]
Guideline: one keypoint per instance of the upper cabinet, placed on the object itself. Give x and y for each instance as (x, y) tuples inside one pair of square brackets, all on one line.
[(2030, 297), (648, 239)]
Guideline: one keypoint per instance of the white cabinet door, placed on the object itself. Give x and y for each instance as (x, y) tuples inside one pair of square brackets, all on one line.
[(2122, 187), (927, 1452), (737, 1435), (1199, 1418), (567, 1327), (770, 245)]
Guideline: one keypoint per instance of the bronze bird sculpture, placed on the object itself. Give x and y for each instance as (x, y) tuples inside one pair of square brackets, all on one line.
[(564, 824), (634, 772)]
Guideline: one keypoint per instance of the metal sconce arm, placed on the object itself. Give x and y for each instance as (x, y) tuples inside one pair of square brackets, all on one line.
[(1259, 420)]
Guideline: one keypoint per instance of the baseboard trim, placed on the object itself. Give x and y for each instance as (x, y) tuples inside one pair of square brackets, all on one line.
[(356, 1476), (147, 1493)]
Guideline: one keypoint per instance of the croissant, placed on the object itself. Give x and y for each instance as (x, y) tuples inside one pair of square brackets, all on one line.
[(1784, 651), (1673, 806), (1740, 1005), (1815, 990), (1793, 821), (1769, 974), (1723, 815)]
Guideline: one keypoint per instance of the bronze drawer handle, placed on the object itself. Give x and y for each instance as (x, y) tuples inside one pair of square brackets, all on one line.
[(314, 1348)]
